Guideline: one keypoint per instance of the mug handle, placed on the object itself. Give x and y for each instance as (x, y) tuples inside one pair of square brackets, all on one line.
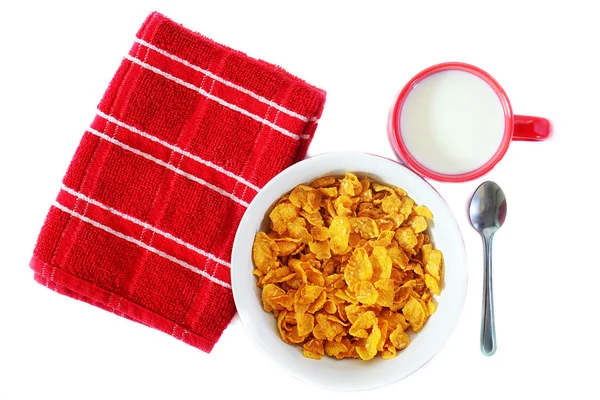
[(530, 128)]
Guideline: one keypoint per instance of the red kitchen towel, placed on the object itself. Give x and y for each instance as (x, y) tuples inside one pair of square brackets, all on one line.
[(186, 134)]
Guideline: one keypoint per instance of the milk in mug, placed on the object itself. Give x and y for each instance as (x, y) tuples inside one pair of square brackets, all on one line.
[(452, 122)]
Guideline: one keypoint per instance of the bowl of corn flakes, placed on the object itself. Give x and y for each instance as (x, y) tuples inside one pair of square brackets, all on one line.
[(349, 271)]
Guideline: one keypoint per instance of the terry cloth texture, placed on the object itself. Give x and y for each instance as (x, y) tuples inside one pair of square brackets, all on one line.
[(186, 134)]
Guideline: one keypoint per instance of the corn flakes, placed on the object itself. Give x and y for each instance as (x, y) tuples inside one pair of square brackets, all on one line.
[(348, 268)]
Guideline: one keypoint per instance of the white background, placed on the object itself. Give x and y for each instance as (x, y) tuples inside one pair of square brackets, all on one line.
[(58, 58)]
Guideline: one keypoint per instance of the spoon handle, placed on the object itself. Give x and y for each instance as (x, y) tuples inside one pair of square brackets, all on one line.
[(488, 326)]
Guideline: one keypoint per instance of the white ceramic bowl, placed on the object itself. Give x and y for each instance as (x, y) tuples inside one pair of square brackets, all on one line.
[(349, 374)]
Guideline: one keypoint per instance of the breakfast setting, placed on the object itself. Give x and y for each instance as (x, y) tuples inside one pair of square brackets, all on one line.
[(297, 209)]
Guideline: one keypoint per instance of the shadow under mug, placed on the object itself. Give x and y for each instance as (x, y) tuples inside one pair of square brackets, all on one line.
[(516, 127)]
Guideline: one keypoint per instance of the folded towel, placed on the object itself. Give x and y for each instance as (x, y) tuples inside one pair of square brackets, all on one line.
[(186, 134)]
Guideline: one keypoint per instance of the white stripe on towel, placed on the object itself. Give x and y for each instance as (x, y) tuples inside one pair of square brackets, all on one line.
[(225, 82), (142, 245), (145, 225), (178, 150), (216, 99), (168, 166)]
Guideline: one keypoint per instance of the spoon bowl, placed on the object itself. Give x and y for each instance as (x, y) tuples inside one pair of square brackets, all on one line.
[(487, 213)]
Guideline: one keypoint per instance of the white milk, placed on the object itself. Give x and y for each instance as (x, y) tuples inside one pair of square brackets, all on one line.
[(452, 122)]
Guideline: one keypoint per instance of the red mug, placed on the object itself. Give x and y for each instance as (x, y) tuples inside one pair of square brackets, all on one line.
[(453, 122)]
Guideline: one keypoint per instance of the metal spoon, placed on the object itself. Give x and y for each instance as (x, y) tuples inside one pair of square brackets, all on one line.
[(488, 212)]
